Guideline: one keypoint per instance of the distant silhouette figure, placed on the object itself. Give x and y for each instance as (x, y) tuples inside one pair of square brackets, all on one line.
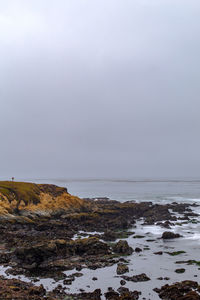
[(13, 178)]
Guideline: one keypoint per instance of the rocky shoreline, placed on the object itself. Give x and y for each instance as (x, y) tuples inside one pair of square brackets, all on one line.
[(53, 233)]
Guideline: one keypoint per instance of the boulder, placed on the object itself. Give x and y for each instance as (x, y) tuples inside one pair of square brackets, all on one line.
[(170, 235), (137, 249), (122, 282), (90, 246), (32, 257), (122, 268), (122, 247), (109, 236), (96, 295), (38, 256), (185, 290), (137, 278), (180, 271), (124, 294)]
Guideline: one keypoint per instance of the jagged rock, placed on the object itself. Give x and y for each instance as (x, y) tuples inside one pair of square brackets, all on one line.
[(35, 256), (122, 289), (109, 236), (122, 247), (185, 290), (96, 295), (31, 257), (111, 295), (137, 278), (122, 268), (124, 294), (91, 246), (16, 289)]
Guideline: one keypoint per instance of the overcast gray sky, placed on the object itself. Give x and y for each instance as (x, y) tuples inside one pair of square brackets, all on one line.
[(99, 88)]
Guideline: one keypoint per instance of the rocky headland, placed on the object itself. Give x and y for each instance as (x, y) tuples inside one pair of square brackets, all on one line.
[(45, 231)]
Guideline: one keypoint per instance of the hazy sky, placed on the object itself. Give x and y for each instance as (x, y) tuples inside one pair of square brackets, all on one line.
[(99, 88)]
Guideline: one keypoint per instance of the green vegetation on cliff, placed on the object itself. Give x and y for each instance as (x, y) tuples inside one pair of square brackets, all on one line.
[(30, 196), (27, 192)]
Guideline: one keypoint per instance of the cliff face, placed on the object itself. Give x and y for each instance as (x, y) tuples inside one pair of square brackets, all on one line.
[(18, 196)]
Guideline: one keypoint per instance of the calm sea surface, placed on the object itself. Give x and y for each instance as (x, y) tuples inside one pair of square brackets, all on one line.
[(165, 190)]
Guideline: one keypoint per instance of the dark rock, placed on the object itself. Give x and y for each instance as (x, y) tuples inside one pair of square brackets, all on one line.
[(170, 235), (68, 281), (122, 247), (125, 294), (4, 257), (180, 271), (185, 290), (146, 248), (158, 253), (137, 278), (138, 236), (78, 268), (37, 256), (166, 224), (122, 259), (122, 268), (122, 282), (31, 257), (90, 246), (111, 294), (109, 236), (96, 295), (16, 289), (137, 249), (122, 290)]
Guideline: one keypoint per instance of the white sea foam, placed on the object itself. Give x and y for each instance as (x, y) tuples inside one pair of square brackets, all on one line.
[(195, 236)]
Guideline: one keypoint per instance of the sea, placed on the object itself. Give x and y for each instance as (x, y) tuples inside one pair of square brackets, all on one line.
[(156, 190), (159, 268)]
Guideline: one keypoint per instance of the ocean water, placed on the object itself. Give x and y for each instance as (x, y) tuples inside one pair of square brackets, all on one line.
[(154, 266), (156, 190)]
